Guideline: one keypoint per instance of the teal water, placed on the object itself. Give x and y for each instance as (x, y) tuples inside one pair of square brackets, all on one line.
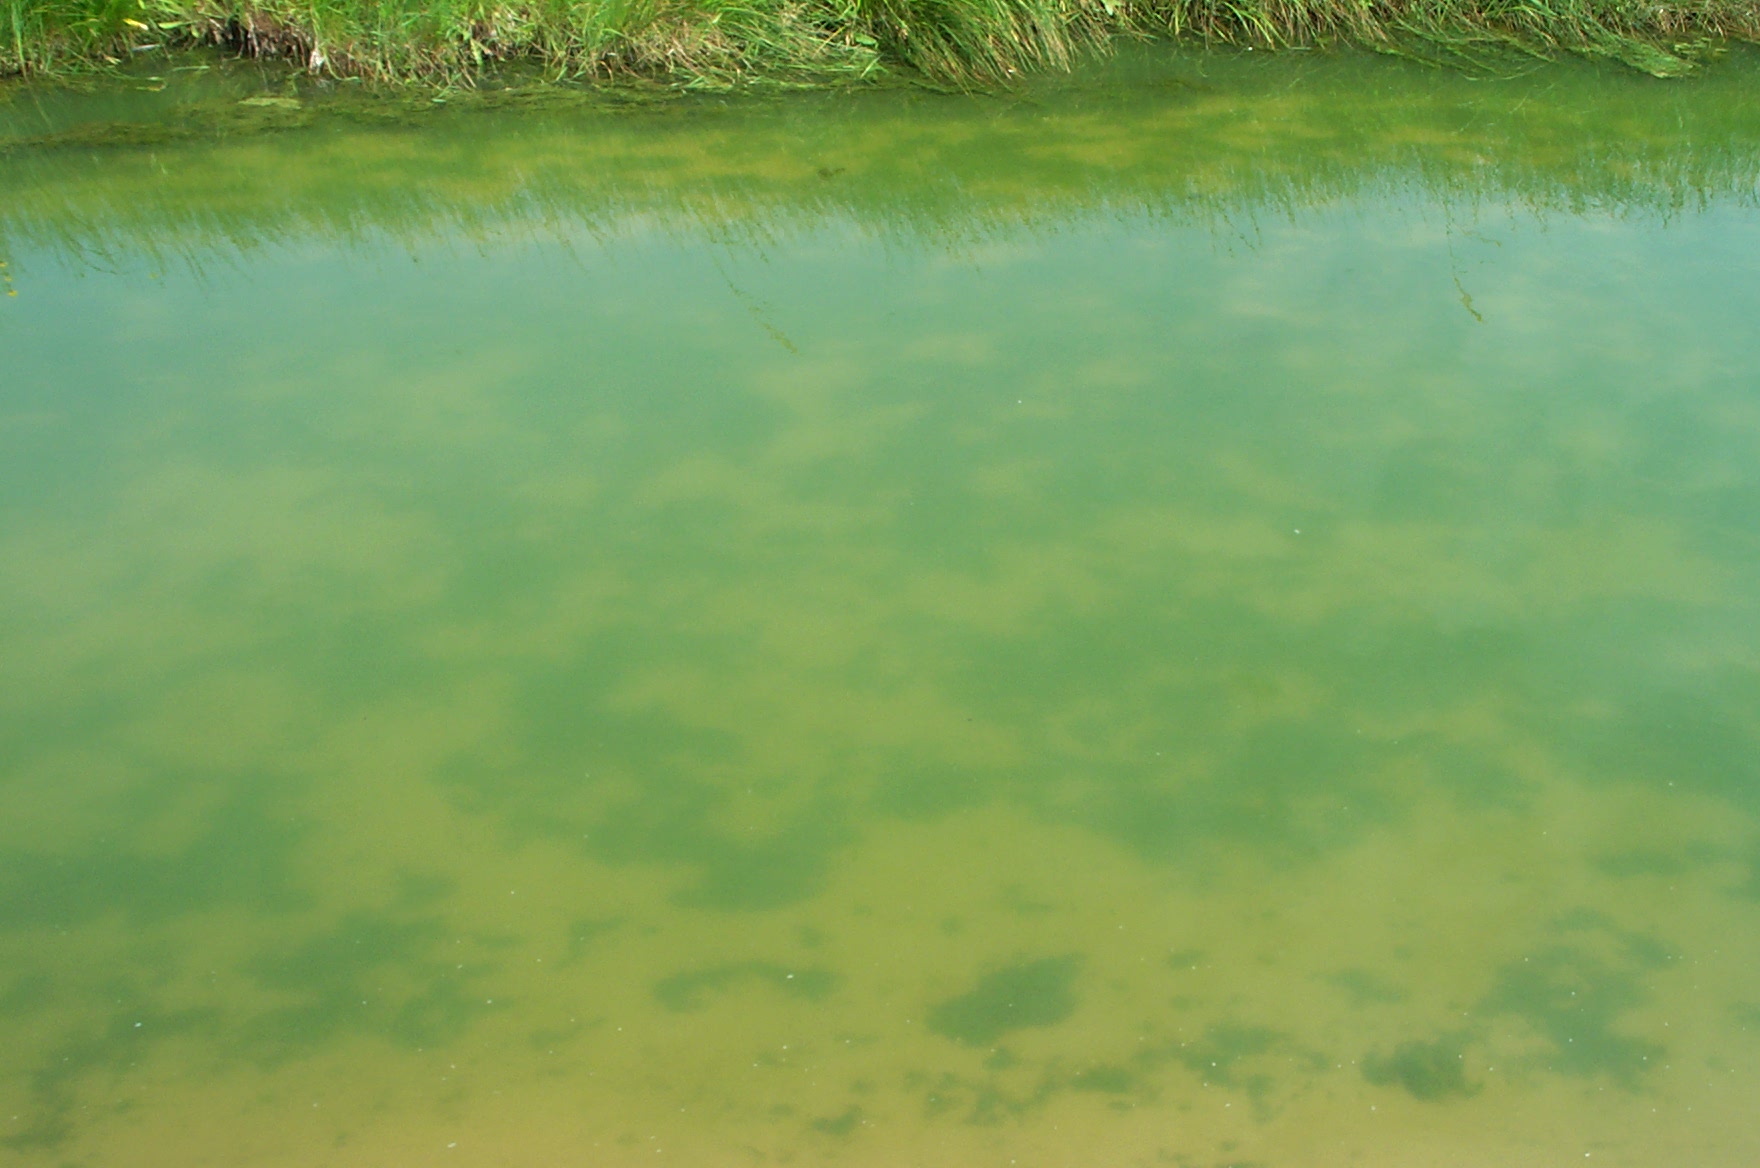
[(1203, 614)]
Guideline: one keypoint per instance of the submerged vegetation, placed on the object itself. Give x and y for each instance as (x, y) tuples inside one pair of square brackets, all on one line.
[(725, 42)]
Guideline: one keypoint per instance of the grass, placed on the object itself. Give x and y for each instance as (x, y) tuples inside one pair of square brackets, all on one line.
[(814, 42)]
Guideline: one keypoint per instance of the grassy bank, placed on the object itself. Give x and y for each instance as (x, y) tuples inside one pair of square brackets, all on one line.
[(721, 42)]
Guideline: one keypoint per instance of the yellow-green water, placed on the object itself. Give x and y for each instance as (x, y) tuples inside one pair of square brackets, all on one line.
[(1204, 615)]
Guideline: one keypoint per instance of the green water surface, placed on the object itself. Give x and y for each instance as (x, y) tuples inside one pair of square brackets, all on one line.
[(1205, 613)]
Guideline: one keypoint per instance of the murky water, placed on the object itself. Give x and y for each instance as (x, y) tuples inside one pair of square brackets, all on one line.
[(1207, 614)]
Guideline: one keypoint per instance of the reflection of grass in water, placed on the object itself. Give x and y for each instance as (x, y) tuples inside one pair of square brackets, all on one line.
[(1250, 141)]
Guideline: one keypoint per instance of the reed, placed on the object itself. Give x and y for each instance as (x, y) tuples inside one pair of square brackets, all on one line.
[(816, 42)]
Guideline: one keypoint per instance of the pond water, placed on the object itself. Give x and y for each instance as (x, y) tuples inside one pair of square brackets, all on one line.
[(1203, 613)]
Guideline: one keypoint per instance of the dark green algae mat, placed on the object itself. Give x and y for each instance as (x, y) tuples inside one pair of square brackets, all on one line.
[(1201, 613)]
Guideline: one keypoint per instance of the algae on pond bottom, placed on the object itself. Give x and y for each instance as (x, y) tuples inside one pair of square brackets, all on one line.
[(1143, 673)]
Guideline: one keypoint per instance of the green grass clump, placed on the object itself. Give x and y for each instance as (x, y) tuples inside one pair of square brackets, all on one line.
[(41, 35), (725, 42)]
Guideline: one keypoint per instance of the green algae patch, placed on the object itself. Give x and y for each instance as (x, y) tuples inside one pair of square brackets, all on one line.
[(1429, 1071), (1024, 995), (693, 990)]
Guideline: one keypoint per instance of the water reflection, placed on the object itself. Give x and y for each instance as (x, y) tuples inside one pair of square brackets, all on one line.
[(1227, 140), (1193, 623)]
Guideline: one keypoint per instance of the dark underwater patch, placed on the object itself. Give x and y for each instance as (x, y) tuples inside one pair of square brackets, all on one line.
[(1366, 989), (1572, 998), (572, 750), (370, 973), (243, 855), (1015, 997), (840, 1126), (119, 1042), (685, 992), (1430, 1071), (1216, 1056)]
